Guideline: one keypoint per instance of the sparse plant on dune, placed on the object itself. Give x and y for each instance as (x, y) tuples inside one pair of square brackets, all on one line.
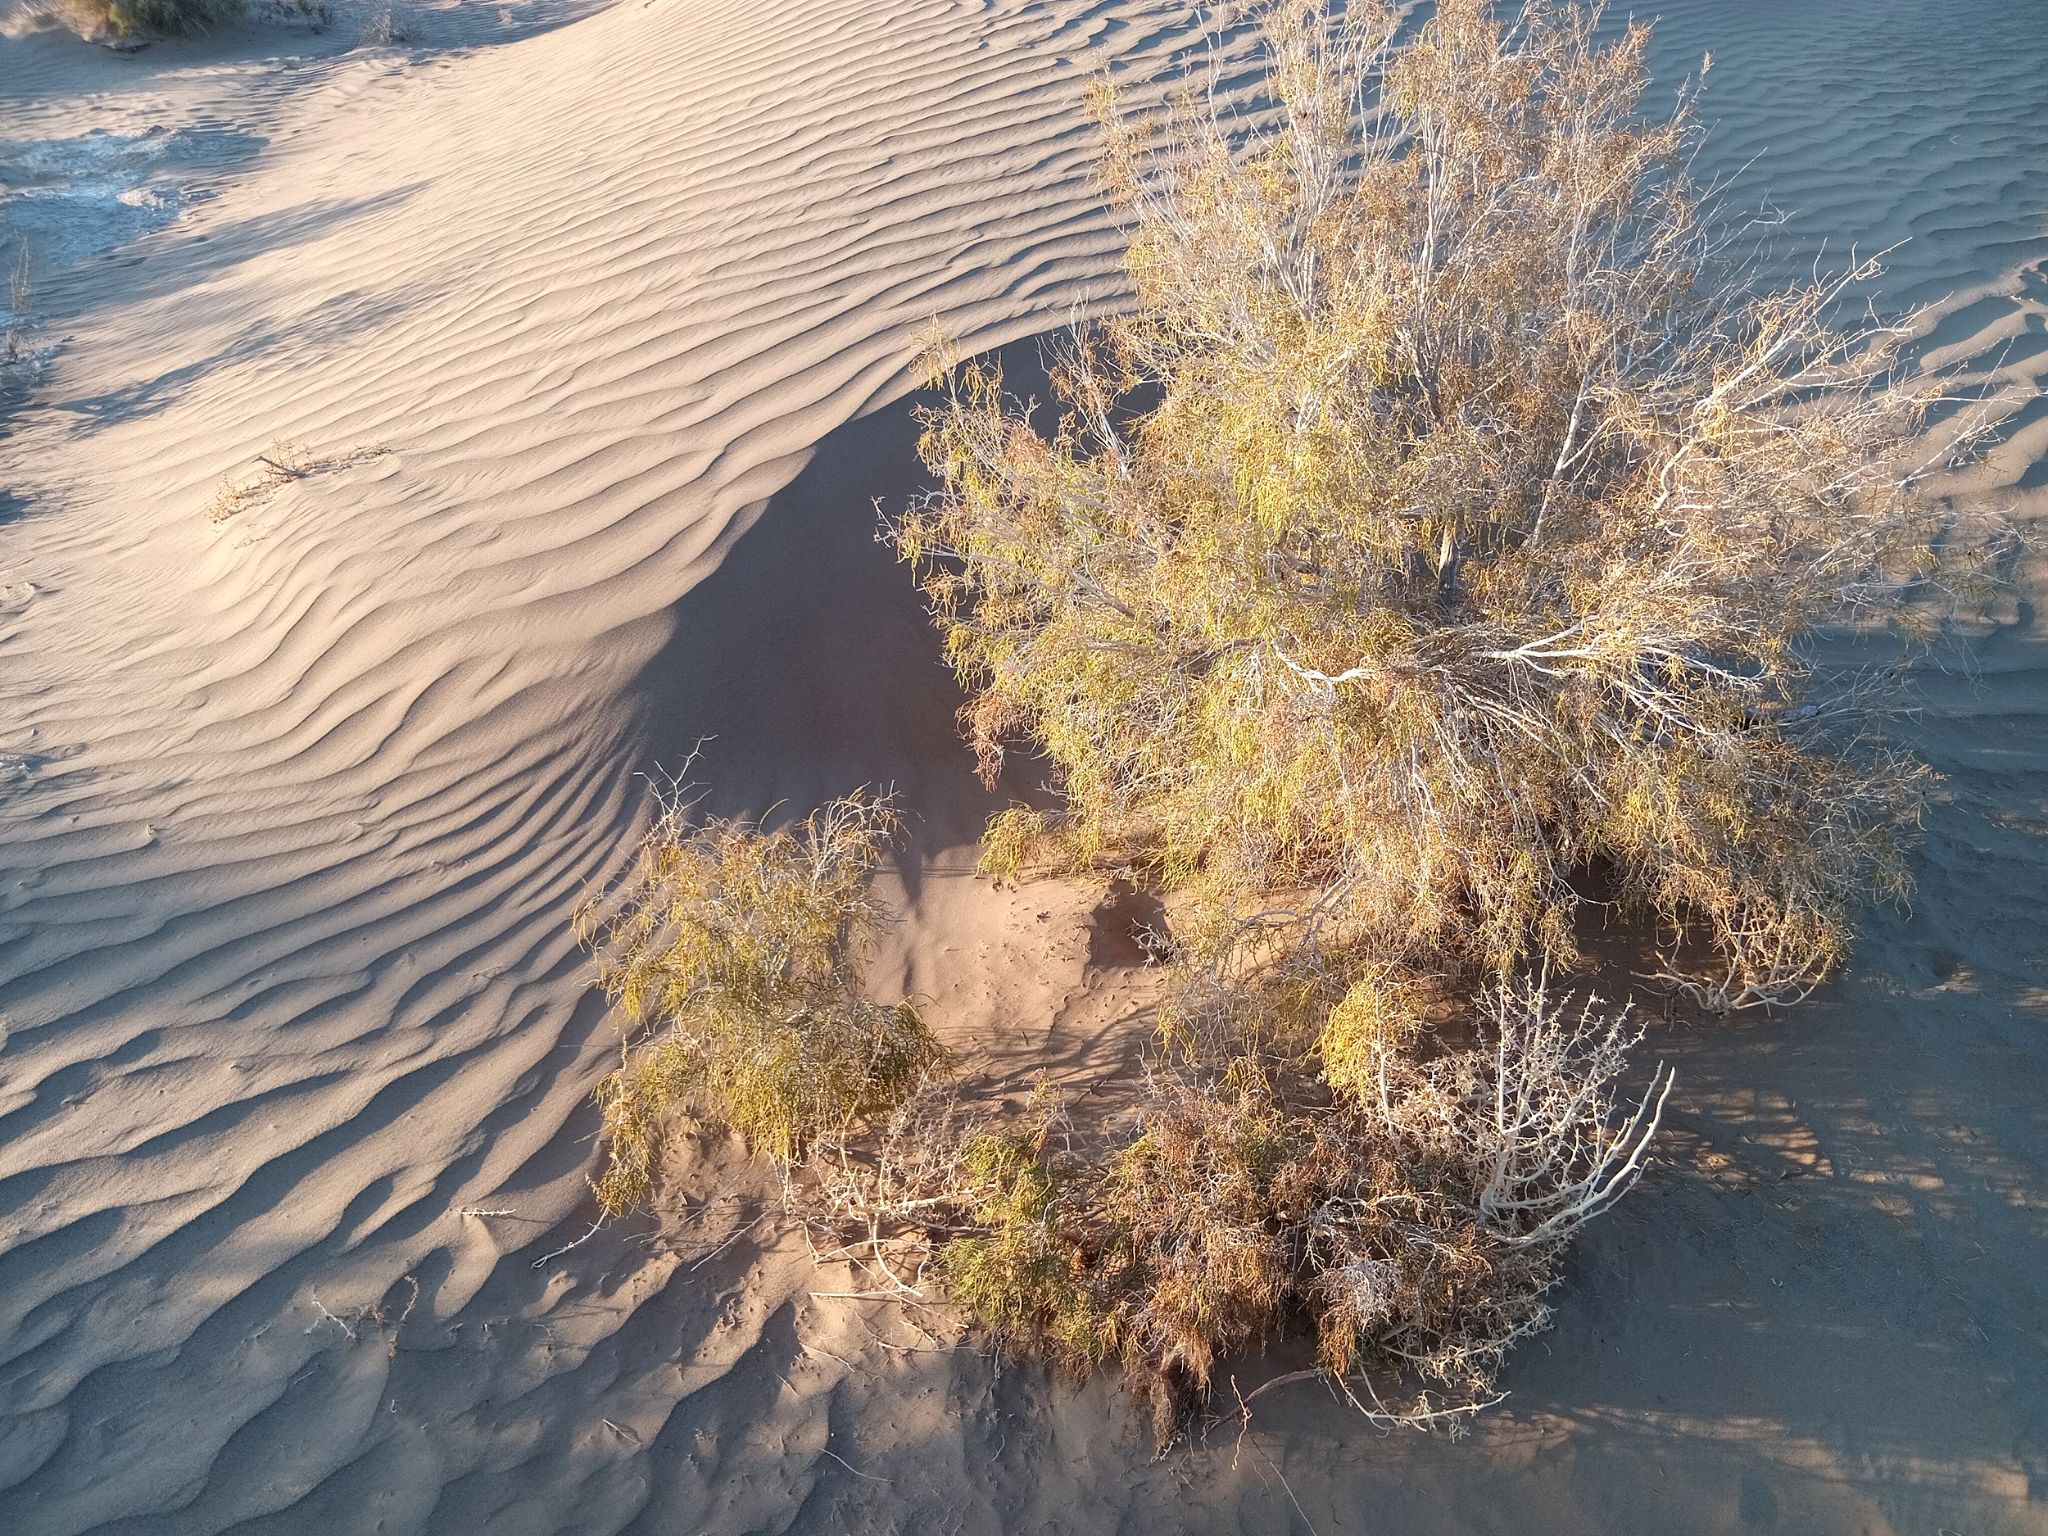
[(17, 359), (730, 958), (19, 291), (276, 467), (1475, 537), (1415, 1230), (132, 18), (387, 28)]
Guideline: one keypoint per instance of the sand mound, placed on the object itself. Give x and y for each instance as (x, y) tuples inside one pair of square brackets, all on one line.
[(595, 337)]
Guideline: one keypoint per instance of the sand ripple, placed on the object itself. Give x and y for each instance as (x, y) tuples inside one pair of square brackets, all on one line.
[(292, 811)]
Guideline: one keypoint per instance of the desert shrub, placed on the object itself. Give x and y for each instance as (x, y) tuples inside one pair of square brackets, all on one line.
[(1480, 1166), (1416, 1230), (387, 28), (730, 958), (1022, 1267), (1412, 1221), (17, 359), (127, 18), (1474, 536)]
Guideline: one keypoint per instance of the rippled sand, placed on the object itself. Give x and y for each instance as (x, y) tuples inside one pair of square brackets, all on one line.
[(605, 316)]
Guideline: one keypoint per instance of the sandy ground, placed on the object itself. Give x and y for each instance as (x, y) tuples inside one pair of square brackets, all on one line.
[(604, 316)]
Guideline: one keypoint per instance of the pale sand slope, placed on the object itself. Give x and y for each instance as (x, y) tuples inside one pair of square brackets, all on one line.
[(294, 811)]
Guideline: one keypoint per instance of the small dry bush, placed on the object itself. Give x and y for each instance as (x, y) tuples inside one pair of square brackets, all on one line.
[(387, 28), (1414, 1231), (1475, 538), (276, 467), (20, 289), (17, 358), (131, 18), (730, 958)]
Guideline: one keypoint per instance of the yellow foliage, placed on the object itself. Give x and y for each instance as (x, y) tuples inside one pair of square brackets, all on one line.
[(729, 956), (1474, 533), (1373, 1026)]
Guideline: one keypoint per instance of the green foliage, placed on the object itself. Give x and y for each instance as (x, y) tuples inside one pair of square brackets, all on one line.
[(1374, 1025), (1474, 536), (1024, 1275), (730, 959)]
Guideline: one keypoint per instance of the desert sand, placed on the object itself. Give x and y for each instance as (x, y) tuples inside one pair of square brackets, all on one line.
[(601, 320)]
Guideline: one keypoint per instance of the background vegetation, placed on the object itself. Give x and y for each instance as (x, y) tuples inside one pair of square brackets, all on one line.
[(129, 18)]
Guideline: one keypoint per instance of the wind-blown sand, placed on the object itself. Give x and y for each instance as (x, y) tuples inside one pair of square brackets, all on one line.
[(612, 312)]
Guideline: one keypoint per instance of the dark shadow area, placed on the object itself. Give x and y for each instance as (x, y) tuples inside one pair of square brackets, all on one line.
[(1127, 928), (806, 661)]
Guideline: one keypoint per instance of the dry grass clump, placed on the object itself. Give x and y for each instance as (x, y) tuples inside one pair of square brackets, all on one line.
[(730, 957), (1474, 539), (276, 467)]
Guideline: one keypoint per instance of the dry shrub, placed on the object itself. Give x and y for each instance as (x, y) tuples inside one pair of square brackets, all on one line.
[(131, 18), (730, 958), (387, 28), (888, 1192), (20, 290), (1415, 1230), (277, 466), (17, 358), (1475, 537)]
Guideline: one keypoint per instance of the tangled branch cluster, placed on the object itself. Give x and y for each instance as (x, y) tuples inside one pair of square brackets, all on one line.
[(1417, 1225), (1418, 1228), (1475, 534)]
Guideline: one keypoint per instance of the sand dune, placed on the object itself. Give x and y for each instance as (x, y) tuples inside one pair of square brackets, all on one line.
[(605, 317)]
